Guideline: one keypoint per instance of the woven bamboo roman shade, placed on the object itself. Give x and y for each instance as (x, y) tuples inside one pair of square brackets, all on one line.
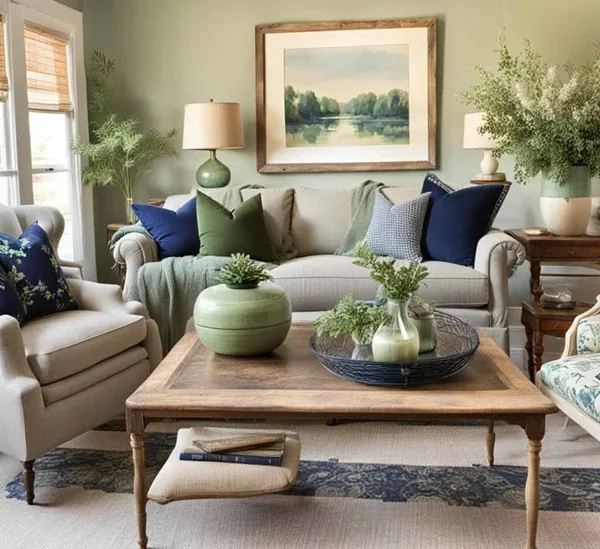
[(47, 70), (3, 77)]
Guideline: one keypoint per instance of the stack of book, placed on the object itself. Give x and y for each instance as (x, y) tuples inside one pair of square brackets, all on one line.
[(254, 449)]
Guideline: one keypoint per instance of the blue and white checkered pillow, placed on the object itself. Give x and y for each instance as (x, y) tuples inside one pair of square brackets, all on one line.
[(395, 230)]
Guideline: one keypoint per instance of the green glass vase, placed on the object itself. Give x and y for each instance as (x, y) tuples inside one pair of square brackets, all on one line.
[(397, 339)]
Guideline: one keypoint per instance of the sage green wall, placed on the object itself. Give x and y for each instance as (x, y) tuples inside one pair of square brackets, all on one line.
[(75, 4), (174, 52)]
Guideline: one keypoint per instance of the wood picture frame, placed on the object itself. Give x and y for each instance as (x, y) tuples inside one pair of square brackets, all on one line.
[(275, 132)]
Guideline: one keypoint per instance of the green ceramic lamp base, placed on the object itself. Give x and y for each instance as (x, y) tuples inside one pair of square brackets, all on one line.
[(213, 173)]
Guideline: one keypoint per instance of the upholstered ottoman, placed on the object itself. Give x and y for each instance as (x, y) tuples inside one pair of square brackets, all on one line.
[(180, 480)]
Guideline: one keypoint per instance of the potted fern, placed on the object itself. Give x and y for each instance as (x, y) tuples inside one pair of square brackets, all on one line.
[(246, 314), (397, 338), (548, 117), (355, 318), (119, 153)]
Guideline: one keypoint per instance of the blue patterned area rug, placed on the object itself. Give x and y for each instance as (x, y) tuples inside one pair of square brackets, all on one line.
[(565, 489)]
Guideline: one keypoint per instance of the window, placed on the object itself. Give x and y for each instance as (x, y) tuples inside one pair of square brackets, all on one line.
[(42, 108), (50, 125), (8, 180)]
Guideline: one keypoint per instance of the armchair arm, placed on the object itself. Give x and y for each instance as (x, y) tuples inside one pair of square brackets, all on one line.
[(20, 392), (134, 250), (13, 360), (498, 255), (107, 298), (571, 335)]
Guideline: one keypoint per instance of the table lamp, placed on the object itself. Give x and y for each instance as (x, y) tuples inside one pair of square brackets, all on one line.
[(474, 140), (208, 127)]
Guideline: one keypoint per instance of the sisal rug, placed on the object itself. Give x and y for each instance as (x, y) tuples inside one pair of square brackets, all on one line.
[(360, 485)]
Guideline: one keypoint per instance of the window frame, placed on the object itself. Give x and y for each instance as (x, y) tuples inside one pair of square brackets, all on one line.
[(69, 23)]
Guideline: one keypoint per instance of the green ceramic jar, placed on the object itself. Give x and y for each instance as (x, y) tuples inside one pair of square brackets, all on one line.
[(242, 320)]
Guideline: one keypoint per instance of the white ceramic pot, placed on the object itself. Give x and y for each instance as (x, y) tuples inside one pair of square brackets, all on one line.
[(566, 208)]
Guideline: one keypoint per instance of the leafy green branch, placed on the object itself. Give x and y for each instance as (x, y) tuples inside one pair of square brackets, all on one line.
[(350, 316), (399, 284)]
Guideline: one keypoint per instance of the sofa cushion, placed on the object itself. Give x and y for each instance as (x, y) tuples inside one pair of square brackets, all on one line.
[(33, 267), (320, 219), (64, 388), (456, 220), (277, 209), (317, 283), (395, 230), (576, 378), (63, 344), (243, 230), (175, 232)]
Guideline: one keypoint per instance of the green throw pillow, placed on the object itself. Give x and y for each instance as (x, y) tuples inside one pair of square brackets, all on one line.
[(243, 231)]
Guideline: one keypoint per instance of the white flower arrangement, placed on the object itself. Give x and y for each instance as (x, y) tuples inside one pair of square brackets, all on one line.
[(547, 116)]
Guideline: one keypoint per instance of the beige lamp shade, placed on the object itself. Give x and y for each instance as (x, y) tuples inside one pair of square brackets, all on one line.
[(210, 126), (472, 138)]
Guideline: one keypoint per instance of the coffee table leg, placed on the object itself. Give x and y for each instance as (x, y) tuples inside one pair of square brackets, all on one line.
[(140, 490), (535, 433), (490, 441)]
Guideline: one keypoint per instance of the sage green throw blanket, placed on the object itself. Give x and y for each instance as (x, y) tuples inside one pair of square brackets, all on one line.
[(363, 201)]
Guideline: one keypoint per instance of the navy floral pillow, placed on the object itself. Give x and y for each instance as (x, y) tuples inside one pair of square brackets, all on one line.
[(10, 302), (33, 268)]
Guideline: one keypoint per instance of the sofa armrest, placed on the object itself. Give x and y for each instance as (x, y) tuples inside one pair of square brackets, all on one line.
[(498, 255), (133, 251)]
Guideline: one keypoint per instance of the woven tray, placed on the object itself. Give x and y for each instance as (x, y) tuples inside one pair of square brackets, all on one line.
[(457, 342)]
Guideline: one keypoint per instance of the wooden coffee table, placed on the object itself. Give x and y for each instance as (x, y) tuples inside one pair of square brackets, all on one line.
[(193, 382)]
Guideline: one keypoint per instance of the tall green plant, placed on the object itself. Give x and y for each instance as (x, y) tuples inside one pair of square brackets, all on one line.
[(118, 152), (547, 116)]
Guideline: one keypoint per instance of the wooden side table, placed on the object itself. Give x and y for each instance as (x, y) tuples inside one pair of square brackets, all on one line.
[(537, 320)]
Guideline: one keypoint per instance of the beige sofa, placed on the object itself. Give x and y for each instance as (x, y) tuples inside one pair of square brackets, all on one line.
[(317, 221), (65, 373)]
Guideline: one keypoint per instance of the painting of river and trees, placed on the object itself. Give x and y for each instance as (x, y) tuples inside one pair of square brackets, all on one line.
[(346, 96)]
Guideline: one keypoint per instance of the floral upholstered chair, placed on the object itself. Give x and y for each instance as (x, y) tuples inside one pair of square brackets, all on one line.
[(573, 381)]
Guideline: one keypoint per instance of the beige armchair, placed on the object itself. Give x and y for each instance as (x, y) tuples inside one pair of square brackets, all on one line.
[(66, 373)]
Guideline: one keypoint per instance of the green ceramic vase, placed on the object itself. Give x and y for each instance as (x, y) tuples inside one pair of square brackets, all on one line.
[(242, 320), (566, 208)]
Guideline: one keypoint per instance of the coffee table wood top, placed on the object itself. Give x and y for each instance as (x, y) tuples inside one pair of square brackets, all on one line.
[(194, 381)]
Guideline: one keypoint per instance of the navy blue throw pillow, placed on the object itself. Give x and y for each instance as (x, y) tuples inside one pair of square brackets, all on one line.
[(33, 268), (456, 220), (175, 233), (10, 302)]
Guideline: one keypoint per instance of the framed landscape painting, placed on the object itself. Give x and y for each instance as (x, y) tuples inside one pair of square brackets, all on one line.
[(346, 96)]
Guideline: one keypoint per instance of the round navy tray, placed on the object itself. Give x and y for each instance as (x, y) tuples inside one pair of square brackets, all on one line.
[(457, 342)]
